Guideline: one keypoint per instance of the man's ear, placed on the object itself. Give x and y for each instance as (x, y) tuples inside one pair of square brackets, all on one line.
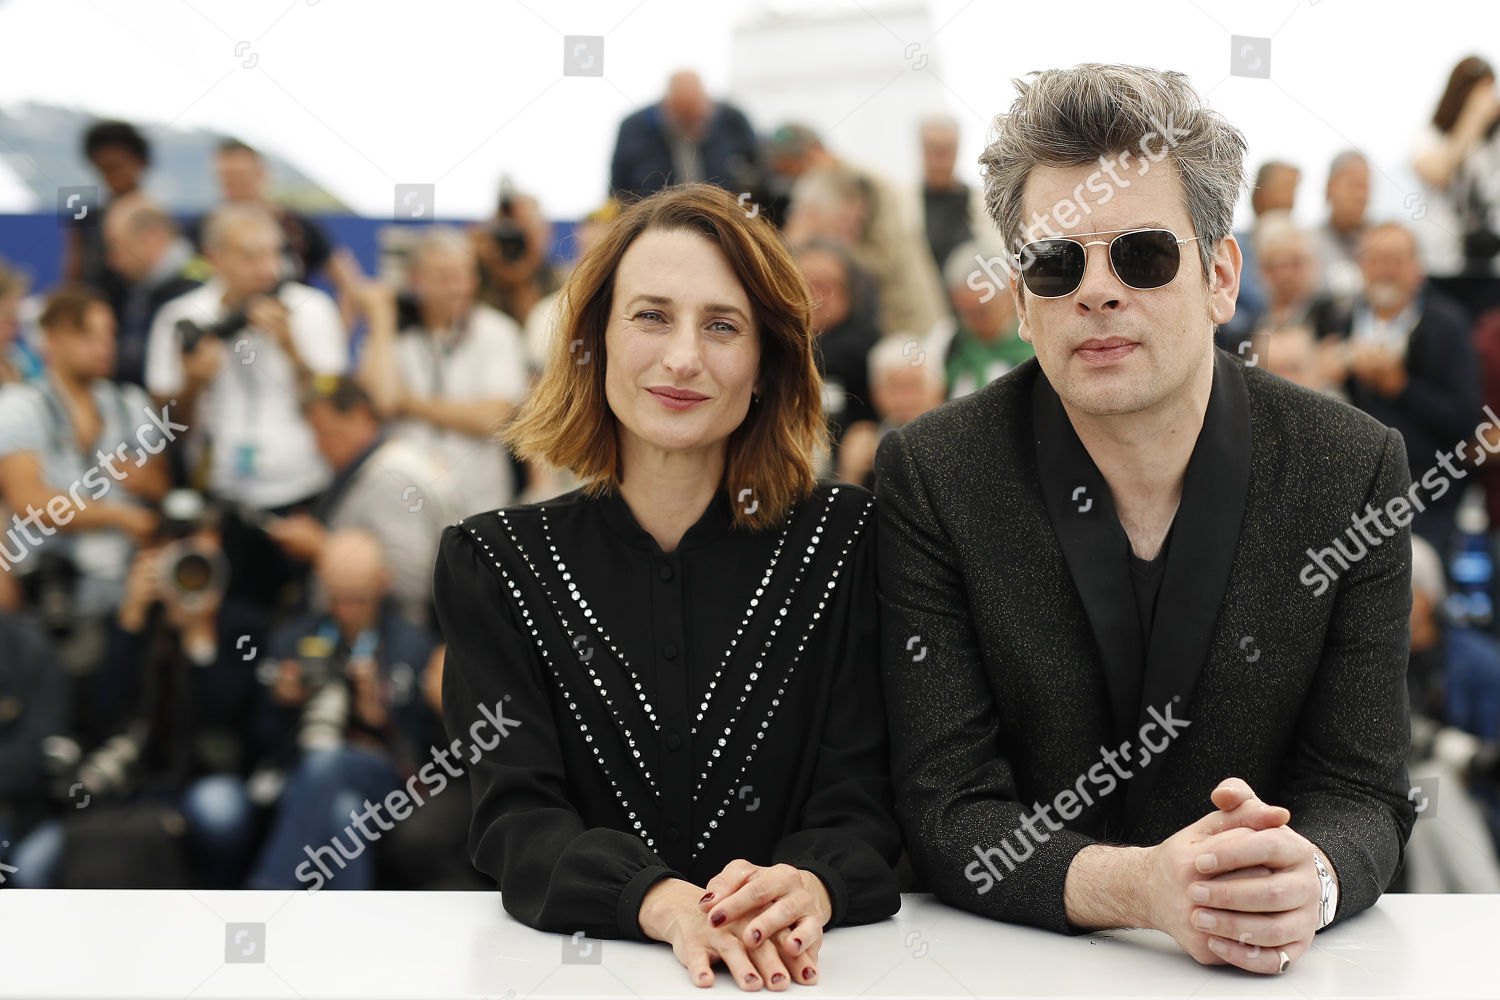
[(1224, 280), (1018, 296)]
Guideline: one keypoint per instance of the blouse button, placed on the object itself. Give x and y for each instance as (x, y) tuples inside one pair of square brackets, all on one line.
[(674, 742), (672, 834), (665, 572), (670, 650)]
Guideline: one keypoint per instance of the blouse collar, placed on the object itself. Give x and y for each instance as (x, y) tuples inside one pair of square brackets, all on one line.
[(715, 520)]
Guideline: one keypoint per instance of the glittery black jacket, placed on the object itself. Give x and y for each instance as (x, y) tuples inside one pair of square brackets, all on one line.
[(667, 713), (1007, 622)]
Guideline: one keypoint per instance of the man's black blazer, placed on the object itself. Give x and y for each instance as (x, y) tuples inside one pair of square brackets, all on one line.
[(1005, 637)]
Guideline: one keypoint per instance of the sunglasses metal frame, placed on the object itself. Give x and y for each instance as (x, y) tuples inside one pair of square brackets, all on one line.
[(1107, 244)]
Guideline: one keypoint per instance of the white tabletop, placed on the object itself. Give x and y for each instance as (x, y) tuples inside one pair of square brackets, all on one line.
[(175, 944)]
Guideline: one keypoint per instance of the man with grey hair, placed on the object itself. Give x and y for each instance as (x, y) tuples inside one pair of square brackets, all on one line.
[(233, 355), (1098, 555)]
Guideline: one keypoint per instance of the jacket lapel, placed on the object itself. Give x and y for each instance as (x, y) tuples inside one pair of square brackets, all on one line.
[(1094, 547)]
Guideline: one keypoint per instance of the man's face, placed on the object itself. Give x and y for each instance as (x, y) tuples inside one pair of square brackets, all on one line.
[(241, 175), (131, 251), (445, 283), (250, 259), (119, 168), (85, 352), (1290, 271), (1388, 260), (1278, 192), (339, 437), (939, 154), (987, 313), (829, 281), (1108, 348), (1349, 195)]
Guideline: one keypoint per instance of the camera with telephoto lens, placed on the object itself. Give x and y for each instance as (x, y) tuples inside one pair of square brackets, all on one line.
[(192, 573), (191, 333), (507, 234)]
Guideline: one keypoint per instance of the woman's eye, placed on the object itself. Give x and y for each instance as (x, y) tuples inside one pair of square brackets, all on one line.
[(723, 326), (650, 316)]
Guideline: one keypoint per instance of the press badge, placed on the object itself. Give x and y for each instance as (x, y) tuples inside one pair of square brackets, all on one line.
[(244, 461)]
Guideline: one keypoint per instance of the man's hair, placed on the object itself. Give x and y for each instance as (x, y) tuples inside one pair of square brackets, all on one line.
[(1348, 158), (1078, 116), (232, 145), (140, 214), (1277, 229), (441, 239), (567, 422), (341, 392), (68, 306), (231, 216), (102, 135)]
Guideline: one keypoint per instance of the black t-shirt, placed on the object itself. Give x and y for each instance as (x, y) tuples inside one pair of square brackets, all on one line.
[(947, 216), (1146, 576)]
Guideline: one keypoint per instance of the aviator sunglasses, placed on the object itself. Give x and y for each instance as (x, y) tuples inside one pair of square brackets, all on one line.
[(1140, 258)]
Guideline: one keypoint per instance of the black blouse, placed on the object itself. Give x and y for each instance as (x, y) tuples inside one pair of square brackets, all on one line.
[(672, 711)]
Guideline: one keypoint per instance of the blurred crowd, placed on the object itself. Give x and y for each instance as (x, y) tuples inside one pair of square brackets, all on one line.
[(227, 454)]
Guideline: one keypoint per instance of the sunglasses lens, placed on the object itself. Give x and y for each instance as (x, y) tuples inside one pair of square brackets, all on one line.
[(1052, 268), (1148, 259)]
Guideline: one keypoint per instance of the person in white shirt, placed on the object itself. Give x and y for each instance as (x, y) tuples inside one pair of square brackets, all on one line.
[(453, 378), (239, 389)]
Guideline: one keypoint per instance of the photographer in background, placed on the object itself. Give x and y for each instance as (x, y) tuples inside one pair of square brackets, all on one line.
[(386, 487), (176, 690), (348, 687), (513, 254), (452, 376), (80, 465), (236, 354)]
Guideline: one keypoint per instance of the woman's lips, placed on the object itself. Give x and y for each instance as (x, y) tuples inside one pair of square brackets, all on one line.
[(677, 399)]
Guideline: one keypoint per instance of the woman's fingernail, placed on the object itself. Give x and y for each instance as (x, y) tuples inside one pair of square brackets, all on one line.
[(755, 935), (706, 897), (1207, 862), (797, 943), (808, 973), (777, 978), (1216, 946), (751, 977), (1199, 893), (1204, 921), (717, 918)]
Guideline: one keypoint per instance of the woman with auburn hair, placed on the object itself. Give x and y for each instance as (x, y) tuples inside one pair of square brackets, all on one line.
[(668, 677)]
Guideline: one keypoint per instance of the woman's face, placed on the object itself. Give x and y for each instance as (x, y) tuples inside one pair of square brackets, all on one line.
[(682, 343), (9, 307)]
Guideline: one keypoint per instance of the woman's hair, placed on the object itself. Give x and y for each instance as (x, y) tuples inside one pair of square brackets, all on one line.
[(1467, 75), (1083, 115), (567, 423)]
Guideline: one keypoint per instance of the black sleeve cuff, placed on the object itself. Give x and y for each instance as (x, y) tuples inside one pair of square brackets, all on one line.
[(628, 910)]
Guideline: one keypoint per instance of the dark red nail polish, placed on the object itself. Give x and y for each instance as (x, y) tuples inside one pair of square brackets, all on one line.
[(717, 918), (706, 897), (797, 943), (755, 936), (808, 973), (752, 978), (777, 978)]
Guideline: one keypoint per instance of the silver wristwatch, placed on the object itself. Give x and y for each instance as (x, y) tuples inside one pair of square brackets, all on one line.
[(1328, 903)]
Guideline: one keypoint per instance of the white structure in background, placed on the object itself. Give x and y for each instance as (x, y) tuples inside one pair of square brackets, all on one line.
[(861, 76)]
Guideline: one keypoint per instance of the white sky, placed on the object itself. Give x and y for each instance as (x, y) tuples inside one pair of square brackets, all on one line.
[(365, 94)]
